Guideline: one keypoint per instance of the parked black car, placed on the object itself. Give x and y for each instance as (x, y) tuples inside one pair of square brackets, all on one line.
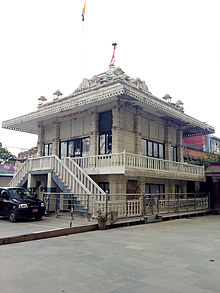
[(17, 203)]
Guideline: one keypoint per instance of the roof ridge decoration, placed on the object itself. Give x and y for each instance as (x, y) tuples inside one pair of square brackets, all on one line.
[(108, 76)]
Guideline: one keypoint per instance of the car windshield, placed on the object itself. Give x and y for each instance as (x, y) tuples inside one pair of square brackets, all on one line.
[(18, 193)]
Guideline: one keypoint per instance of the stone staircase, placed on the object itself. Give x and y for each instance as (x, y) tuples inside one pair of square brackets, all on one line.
[(68, 176)]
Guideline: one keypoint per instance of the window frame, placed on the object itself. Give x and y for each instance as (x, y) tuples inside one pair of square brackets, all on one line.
[(49, 147), (72, 141), (174, 156), (155, 148)]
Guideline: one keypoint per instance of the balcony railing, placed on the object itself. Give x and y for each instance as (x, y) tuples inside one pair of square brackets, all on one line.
[(126, 161)]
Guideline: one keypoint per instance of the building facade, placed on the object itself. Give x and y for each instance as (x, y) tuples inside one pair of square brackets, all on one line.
[(111, 135), (204, 143)]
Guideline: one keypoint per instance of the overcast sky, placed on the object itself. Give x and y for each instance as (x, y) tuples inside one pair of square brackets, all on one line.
[(173, 45)]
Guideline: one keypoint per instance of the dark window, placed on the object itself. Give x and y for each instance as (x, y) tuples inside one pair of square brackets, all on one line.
[(155, 188), (48, 149), (152, 149), (104, 186), (174, 153), (105, 122), (105, 132), (177, 189), (75, 148)]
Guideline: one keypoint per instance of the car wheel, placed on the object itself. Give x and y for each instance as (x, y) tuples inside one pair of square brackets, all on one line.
[(12, 216), (38, 218)]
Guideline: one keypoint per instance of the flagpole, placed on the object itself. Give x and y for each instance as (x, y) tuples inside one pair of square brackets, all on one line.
[(82, 41)]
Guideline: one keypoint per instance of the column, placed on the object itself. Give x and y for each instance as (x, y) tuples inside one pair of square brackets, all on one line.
[(179, 144), (49, 182), (168, 142), (117, 128), (40, 143), (138, 130), (31, 181), (94, 119), (56, 140)]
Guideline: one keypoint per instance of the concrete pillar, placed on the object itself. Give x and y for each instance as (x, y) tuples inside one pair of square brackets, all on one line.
[(56, 140), (31, 182), (169, 187), (118, 184), (49, 182), (40, 143), (167, 140), (142, 185), (179, 144), (138, 131), (94, 139), (117, 128)]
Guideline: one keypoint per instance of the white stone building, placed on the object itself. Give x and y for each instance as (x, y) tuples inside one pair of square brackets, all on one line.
[(111, 135)]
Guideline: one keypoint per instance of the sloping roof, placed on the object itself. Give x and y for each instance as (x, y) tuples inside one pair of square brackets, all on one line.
[(110, 85)]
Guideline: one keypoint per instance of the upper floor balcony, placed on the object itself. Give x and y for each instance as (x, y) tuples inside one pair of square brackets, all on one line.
[(138, 165)]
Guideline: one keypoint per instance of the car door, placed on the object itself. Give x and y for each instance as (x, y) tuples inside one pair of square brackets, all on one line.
[(1, 203), (4, 202)]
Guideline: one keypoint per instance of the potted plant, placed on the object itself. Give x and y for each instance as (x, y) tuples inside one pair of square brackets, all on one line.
[(102, 220)]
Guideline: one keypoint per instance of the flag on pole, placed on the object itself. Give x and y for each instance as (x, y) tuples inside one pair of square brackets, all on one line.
[(83, 12)]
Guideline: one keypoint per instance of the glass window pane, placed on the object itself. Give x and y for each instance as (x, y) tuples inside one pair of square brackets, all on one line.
[(161, 188), (147, 188), (155, 188), (144, 147), (85, 146), (161, 151), (102, 144), (155, 150), (77, 147), (63, 150), (149, 149), (71, 149), (49, 149), (45, 149), (174, 153), (108, 143)]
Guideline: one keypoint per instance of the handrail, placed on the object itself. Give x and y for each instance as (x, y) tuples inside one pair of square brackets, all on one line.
[(18, 175), (83, 176), (67, 175), (128, 160), (53, 163)]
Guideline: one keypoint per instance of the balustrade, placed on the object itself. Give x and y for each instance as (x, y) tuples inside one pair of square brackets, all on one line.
[(127, 160)]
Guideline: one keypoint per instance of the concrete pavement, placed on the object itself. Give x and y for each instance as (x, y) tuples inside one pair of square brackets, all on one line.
[(179, 256), (50, 226)]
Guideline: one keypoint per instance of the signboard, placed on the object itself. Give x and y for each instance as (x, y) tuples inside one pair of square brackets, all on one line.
[(6, 168)]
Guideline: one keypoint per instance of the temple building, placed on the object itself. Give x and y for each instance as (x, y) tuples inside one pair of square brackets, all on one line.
[(110, 135)]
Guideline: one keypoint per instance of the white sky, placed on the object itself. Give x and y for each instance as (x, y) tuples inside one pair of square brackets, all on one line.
[(173, 45)]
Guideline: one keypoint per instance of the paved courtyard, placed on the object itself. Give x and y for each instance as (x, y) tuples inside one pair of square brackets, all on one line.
[(179, 256), (27, 226)]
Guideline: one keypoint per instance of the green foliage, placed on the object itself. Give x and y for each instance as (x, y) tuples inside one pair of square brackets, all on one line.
[(207, 159), (5, 155)]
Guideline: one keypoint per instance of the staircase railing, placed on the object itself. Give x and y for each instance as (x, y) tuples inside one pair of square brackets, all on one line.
[(83, 177), (74, 178), (19, 175)]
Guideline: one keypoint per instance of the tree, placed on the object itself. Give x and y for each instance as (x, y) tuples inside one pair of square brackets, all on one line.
[(5, 155)]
